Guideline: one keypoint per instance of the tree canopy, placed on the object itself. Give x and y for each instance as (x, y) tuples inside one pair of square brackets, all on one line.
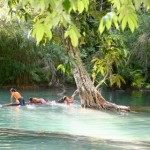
[(89, 24), (50, 14)]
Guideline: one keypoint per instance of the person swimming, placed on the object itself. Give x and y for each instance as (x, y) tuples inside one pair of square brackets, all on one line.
[(37, 100), (66, 99)]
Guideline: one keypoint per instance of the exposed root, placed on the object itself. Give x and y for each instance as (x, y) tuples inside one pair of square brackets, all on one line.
[(102, 104), (119, 108)]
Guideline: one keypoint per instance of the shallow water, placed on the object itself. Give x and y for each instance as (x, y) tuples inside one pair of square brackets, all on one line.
[(62, 127)]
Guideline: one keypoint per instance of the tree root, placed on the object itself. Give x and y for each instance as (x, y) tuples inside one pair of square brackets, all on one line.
[(102, 104), (112, 106)]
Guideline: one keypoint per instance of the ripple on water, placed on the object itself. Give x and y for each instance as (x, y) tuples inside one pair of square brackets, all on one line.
[(25, 139)]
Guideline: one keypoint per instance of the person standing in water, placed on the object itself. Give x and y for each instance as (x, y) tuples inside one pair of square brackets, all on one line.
[(19, 99)]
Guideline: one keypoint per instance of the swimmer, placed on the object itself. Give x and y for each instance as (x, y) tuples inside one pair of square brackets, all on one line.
[(37, 101)]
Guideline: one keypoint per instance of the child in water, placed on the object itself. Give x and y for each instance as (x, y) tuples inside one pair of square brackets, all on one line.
[(37, 100), (67, 100)]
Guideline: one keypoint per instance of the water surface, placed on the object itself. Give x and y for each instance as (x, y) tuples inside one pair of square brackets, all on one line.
[(63, 127)]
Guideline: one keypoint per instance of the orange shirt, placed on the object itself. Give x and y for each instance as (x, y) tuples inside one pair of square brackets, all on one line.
[(16, 95)]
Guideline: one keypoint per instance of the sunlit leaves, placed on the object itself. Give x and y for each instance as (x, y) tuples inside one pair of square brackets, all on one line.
[(74, 35), (53, 13), (113, 56), (107, 21), (59, 12), (39, 30), (137, 4), (66, 5), (79, 5), (61, 67), (39, 33), (138, 78), (143, 3), (116, 79), (124, 13), (64, 68), (86, 4)]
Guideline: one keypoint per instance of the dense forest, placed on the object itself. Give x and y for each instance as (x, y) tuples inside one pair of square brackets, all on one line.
[(24, 64)]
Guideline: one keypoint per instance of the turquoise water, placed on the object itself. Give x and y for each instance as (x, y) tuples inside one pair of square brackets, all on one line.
[(62, 127)]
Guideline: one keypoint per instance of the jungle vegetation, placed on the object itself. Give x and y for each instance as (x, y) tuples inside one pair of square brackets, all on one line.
[(23, 63), (74, 22)]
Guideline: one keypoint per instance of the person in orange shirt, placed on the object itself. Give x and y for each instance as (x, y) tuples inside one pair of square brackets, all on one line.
[(17, 96)]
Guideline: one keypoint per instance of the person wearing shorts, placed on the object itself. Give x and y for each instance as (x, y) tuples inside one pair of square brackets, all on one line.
[(15, 94)]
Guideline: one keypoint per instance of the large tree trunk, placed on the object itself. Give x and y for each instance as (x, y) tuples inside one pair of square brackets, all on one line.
[(90, 97)]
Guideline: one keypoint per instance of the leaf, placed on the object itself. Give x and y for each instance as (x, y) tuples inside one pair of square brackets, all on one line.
[(74, 38), (66, 5), (76, 31), (39, 34), (137, 4), (108, 24), (102, 71), (124, 23), (74, 35), (115, 20), (121, 16), (59, 66), (116, 3), (86, 4), (94, 75), (80, 6), (134, 18), (66, 34), (101, 26), (131, 24), (49, 34), (42, 5), (66, 17)]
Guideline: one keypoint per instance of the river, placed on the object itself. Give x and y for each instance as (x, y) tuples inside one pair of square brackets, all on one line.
[(58, 126)]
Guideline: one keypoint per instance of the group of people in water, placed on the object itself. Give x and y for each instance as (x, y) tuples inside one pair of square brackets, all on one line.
[(21, 101)]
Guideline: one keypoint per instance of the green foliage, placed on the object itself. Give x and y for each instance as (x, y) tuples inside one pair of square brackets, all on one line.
[(22, 62), (113, 55), (123, 13), (116, 79), (138, 45), (15, 62), (79, 20), (138, 79), (50, 14), (74, 34)]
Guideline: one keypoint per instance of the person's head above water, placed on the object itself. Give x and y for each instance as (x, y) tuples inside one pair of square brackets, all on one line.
[(13, 90), (30, 99), (64, 98)]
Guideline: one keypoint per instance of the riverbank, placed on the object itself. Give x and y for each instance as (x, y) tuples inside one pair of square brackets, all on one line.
[(68, 86)]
